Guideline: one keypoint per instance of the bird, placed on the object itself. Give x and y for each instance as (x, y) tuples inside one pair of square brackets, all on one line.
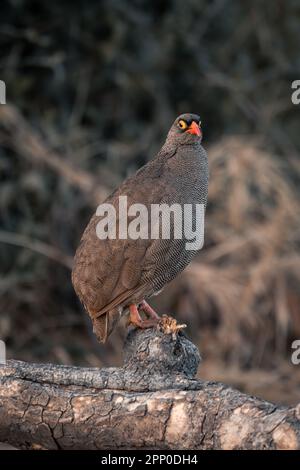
[(114, 277)]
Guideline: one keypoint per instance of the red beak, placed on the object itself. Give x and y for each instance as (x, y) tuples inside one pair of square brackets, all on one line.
[(194, 129)]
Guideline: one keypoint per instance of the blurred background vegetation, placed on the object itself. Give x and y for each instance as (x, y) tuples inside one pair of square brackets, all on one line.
[(92, 88)]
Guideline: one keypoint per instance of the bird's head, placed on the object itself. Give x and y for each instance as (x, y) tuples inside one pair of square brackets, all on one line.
[(186, 129)]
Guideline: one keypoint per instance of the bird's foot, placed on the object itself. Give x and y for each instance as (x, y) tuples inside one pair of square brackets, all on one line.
[(169, 325), (148, 310), (136, 320), (166, 324)]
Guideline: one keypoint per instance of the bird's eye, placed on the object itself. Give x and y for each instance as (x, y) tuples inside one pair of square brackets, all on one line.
[(182, 124)]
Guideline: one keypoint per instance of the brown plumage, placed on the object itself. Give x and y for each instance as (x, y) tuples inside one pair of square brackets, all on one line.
[(112, 276)]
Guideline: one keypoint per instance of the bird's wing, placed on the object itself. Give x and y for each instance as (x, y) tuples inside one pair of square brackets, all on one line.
[(108, 272)]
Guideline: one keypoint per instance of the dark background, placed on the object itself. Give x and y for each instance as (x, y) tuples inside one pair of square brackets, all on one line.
[(92, 88)]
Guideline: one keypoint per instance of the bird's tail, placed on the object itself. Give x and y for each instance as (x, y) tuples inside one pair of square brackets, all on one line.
[(105, 323)]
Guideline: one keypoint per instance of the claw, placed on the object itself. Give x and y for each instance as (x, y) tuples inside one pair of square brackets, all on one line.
[(149, 311), (136, 320)]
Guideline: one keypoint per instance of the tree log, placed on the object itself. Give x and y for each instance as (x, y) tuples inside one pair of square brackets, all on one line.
[(152, 402)]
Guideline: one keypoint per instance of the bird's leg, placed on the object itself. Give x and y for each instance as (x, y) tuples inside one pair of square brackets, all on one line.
[(148, 310), (135, 319)]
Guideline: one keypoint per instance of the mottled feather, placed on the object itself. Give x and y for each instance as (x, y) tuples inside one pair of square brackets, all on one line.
[(109, 275)]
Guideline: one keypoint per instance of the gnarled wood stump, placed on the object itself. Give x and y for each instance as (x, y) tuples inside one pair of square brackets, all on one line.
[(153, 402)]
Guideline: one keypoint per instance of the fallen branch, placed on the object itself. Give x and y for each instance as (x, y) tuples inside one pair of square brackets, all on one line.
[(152, 402)]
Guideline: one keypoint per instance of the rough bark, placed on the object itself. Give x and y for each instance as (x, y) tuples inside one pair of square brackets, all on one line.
[(153, 402)]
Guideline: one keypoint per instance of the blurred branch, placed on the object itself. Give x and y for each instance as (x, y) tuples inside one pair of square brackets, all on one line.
[(20, 136), (37, 246)]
